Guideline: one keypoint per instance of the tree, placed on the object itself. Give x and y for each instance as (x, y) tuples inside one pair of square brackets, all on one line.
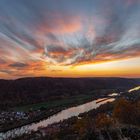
[(103, 121), (125, 111), (82, 125)]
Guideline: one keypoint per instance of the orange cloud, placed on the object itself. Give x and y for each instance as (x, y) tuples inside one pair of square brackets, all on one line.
[(59, 25)]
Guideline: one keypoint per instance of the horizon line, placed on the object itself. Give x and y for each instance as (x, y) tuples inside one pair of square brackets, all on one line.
[(82, 77)]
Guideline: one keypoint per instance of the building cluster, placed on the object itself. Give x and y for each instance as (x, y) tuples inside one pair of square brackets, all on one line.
[(11, 116)]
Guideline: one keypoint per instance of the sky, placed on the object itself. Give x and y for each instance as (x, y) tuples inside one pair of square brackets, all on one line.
[(69, 38)]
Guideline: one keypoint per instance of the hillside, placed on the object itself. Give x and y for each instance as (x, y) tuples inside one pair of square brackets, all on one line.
[(32, 90)]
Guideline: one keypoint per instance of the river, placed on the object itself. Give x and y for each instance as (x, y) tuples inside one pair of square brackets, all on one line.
[(64, 114)]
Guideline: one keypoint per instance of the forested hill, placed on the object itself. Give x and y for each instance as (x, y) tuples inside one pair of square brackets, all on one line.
[(42, 88)]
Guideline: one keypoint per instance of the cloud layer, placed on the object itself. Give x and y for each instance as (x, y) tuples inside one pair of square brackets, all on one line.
[(36, 33)]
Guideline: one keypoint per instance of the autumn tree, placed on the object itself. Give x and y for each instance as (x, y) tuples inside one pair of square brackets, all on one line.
[(82, 125), (125, 111), (103, 121)]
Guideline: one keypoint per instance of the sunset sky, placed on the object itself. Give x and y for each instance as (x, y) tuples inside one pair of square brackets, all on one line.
[(69, 38)]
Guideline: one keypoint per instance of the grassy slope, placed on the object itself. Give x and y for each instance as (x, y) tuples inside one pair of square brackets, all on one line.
[(57, 103)]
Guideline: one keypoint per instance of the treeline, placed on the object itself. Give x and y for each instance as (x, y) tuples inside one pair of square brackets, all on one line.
[(32, 90)]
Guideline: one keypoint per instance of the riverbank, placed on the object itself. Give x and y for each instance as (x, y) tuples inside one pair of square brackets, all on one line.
[(102, 123), (63, 115), (48, 110)]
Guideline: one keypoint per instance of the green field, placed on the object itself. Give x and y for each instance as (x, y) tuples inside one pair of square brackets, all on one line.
[(67, 102)]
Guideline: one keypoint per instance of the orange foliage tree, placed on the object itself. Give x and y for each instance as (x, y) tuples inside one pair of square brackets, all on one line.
[(126, 112), (103, 121)]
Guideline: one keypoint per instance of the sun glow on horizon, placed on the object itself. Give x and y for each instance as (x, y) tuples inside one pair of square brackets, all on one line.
[(117, 68)]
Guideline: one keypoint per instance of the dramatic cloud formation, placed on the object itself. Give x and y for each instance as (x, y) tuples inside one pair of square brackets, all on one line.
[(37, 35), (18, 65)]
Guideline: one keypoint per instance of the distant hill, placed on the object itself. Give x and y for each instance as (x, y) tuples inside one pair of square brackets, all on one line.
[(30, 90)]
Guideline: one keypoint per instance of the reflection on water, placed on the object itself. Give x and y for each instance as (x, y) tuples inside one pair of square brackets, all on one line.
[(134, 89), (113, 94), (65, 114)]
